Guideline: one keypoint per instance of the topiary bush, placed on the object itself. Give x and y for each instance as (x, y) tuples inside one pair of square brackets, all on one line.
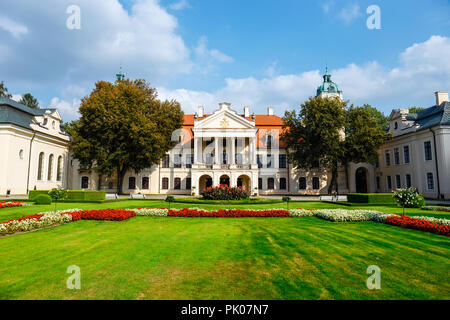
[(408, 198), (43, 199)]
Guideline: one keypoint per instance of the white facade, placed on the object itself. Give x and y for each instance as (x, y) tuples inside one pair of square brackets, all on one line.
[(33, 149)]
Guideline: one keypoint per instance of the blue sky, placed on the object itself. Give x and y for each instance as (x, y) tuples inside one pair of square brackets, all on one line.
[(202, 52)]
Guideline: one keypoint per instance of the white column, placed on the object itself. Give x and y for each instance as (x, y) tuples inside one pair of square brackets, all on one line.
[(195, 150), (252, 150), (216, 150), (233, 151)]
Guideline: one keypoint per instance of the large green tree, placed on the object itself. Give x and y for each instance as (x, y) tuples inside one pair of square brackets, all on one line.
[(325, 134), (4, 91), (123, 126), (30, 101), (377, 115)]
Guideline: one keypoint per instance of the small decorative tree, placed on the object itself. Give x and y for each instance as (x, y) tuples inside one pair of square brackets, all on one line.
[(57, 194), (170, 199), (408, 198), (287, 200)]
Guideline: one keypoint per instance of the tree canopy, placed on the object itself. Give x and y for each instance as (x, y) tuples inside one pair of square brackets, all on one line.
[(415, 109), (4, 91), (325, 134), (30, 101), (377, 115), (123, 127)]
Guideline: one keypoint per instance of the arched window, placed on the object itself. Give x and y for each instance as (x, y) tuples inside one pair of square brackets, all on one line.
[(177, 183), (316, 183), (188, 183), (270, 184), (50, 168), (165, 183), (59, 169), (145, 183), (84, 182), (40, 166), (282, 183), (302, 183), (131, 183)]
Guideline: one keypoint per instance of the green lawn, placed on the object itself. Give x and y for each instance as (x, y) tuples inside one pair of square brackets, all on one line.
[(220, 258)]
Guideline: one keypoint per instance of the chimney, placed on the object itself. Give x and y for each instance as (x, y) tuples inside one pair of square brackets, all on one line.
[(200, 112), (441, 97), (270, 111), (247, 112)]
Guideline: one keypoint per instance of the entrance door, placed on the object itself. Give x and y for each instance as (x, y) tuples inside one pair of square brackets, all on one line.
[(361, 180)]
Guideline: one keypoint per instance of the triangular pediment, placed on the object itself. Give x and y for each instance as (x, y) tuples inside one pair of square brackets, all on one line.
[(224, 118)]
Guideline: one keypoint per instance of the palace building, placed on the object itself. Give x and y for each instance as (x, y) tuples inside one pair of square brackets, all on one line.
[(229, 147)]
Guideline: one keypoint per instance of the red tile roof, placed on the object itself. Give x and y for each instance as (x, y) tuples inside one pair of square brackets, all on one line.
[(260, 120)]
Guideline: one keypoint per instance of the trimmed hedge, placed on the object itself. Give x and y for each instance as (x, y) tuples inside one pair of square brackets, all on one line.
[(43, 199), (371, 198), (74, 195)]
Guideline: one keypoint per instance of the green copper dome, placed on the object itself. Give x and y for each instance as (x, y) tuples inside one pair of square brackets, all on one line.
[(328, 86)]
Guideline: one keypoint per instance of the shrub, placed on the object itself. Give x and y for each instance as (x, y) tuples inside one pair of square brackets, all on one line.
[(225, 192), (408, 198), (57, 194), (43, 199), (287, 200)]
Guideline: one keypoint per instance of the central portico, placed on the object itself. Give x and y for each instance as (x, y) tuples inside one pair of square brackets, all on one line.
[(224, 150)]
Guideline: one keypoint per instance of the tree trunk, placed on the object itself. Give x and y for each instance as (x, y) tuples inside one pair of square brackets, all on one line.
[(334, 182), (120, 176)]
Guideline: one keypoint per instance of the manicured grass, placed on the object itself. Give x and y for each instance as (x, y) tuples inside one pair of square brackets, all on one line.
[(17, 212), (214, 258)]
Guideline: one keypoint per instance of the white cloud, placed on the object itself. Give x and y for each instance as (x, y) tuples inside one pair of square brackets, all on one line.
[(423, 69), (180, 5), (204, 53), (16, 29), (350, 13), (67, 109)]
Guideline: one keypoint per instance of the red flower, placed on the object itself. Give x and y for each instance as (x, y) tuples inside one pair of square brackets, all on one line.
[(422, 225), (228, 213)]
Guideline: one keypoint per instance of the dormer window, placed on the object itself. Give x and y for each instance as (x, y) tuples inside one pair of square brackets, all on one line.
[(45, 122), (54, 124), (396, 125)]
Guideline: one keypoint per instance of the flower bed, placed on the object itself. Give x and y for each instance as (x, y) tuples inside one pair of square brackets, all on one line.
[(436, 208), (11, 204), (225, 192), (228, 213), (342, 215), (36, 221), (302, 212), (153, 212), (104, 215), (422, 225)]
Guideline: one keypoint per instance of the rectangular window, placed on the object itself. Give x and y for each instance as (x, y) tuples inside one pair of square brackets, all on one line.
[(260, 183), (398, 181), (283, 161), (224, 158), (165, 184), (396, 156), (177, 159), (387, 157), (269, 161), (282, 183), (145, 183), (177, 184), (271, 184), (378, 183), (430, 181), (389, 182), (302, 183), (408, 181), (258, 159), (188, 183), (427, 150), (165, 163), (316, 183), (189, 160), (406, 154)]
